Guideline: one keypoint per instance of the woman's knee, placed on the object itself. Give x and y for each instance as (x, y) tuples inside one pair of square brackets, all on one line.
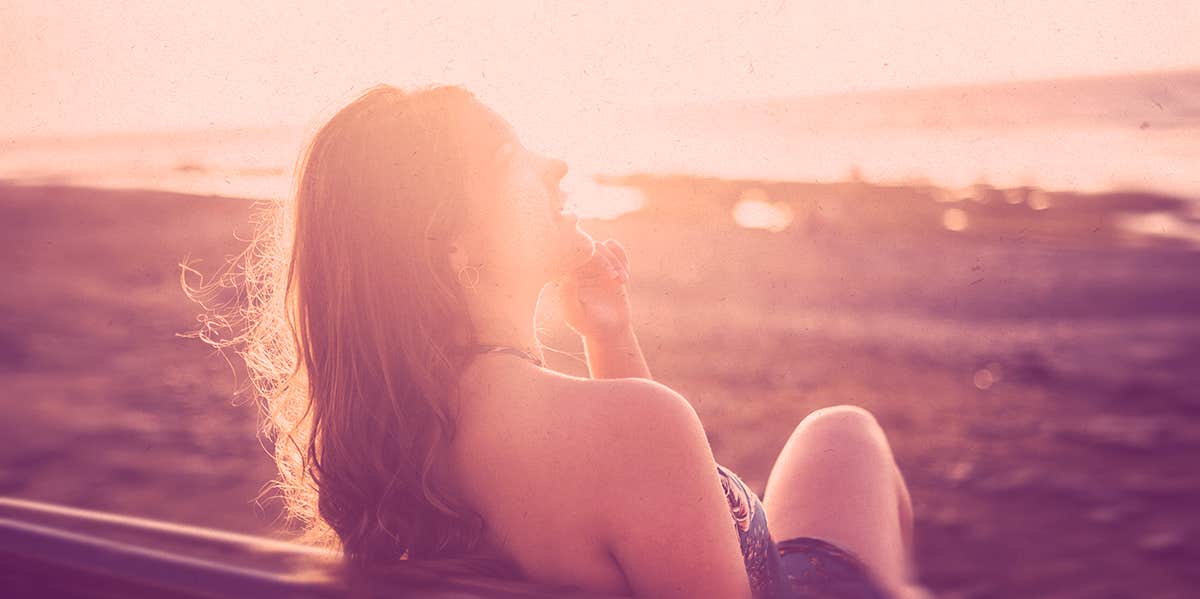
[(838, 480), (845, 446), (842, 426), (850, 429)]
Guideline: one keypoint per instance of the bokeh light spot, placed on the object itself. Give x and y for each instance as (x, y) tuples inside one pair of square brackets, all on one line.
[(984, 379), (954, 219), (1038, 200), (755, 210), (987, 376)]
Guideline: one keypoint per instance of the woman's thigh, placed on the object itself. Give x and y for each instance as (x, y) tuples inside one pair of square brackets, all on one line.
[(836, 479)]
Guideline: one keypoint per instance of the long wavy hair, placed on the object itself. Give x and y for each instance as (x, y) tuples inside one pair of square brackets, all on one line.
[(349, 319)]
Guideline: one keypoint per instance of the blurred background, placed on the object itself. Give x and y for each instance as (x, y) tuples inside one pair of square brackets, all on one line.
[(980, 221)]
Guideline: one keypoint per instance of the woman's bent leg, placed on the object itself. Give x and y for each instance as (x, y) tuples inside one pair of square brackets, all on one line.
[(837, 480)]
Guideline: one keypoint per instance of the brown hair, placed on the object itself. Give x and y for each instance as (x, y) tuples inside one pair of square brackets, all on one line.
[(349, 319)]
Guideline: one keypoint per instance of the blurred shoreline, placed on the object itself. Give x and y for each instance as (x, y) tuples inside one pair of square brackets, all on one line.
[(1095, 135), (1023, 213)]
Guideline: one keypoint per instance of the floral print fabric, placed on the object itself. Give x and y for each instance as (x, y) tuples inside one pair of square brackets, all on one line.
[(751, 522), (800, 567)]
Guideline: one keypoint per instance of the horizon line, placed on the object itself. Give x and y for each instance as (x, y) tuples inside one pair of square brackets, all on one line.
[(626, 105)]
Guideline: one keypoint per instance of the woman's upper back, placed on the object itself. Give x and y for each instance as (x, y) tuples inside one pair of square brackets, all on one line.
[(606, 484)]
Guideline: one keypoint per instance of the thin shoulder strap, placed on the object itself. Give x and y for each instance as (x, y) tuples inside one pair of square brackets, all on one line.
[(489, 349)]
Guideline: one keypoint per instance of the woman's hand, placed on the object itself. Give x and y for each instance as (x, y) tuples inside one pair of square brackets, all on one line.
[(595, 301)]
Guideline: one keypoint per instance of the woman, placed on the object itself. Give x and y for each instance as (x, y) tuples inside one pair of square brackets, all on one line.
[(391, 335)]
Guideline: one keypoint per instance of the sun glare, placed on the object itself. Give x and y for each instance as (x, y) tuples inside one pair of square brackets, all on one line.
[(589, 199)]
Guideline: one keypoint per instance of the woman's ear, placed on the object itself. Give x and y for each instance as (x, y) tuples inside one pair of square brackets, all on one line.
[(458, 255)]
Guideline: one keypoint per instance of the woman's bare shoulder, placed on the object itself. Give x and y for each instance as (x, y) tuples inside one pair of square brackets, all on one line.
[(619, 407), (574, 427), (647, 474), (629, 465), (604, 426), (539, 398)]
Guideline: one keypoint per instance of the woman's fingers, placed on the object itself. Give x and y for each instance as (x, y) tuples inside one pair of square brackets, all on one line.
[(608, 262), (601, 264), (615, 247), (613, 267), (619, 256)]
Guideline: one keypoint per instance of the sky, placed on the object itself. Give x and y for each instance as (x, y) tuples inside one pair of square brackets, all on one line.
[(89, 67)]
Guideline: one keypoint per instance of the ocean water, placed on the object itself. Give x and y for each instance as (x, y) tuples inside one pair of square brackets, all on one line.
[(1095, 134), (1123, 132)]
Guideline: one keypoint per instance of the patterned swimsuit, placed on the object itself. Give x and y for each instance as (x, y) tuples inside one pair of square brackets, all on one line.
[(799, 567)]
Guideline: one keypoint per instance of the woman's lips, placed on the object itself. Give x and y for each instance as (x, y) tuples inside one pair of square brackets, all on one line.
[(562, 214), (566, 216), (559, 208)]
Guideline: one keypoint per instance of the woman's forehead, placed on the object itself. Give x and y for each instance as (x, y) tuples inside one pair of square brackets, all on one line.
[(488, 132), (503, 142), (492, 140), (489, 121)]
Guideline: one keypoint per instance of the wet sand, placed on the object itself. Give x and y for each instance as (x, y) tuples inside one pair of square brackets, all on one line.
[(1036, 372)]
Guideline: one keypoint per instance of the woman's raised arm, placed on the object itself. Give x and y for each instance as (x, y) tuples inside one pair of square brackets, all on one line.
[(595, 301)]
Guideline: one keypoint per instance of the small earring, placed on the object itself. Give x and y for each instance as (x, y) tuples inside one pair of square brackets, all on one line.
[(472, 276)]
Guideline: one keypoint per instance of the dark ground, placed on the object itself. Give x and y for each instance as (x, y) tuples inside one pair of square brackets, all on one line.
[(1036, 372)]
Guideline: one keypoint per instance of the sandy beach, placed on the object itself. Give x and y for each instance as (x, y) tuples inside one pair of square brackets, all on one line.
[(1035, 369)]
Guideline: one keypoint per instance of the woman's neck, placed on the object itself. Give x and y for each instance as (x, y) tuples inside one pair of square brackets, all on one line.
[(509, 322)]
